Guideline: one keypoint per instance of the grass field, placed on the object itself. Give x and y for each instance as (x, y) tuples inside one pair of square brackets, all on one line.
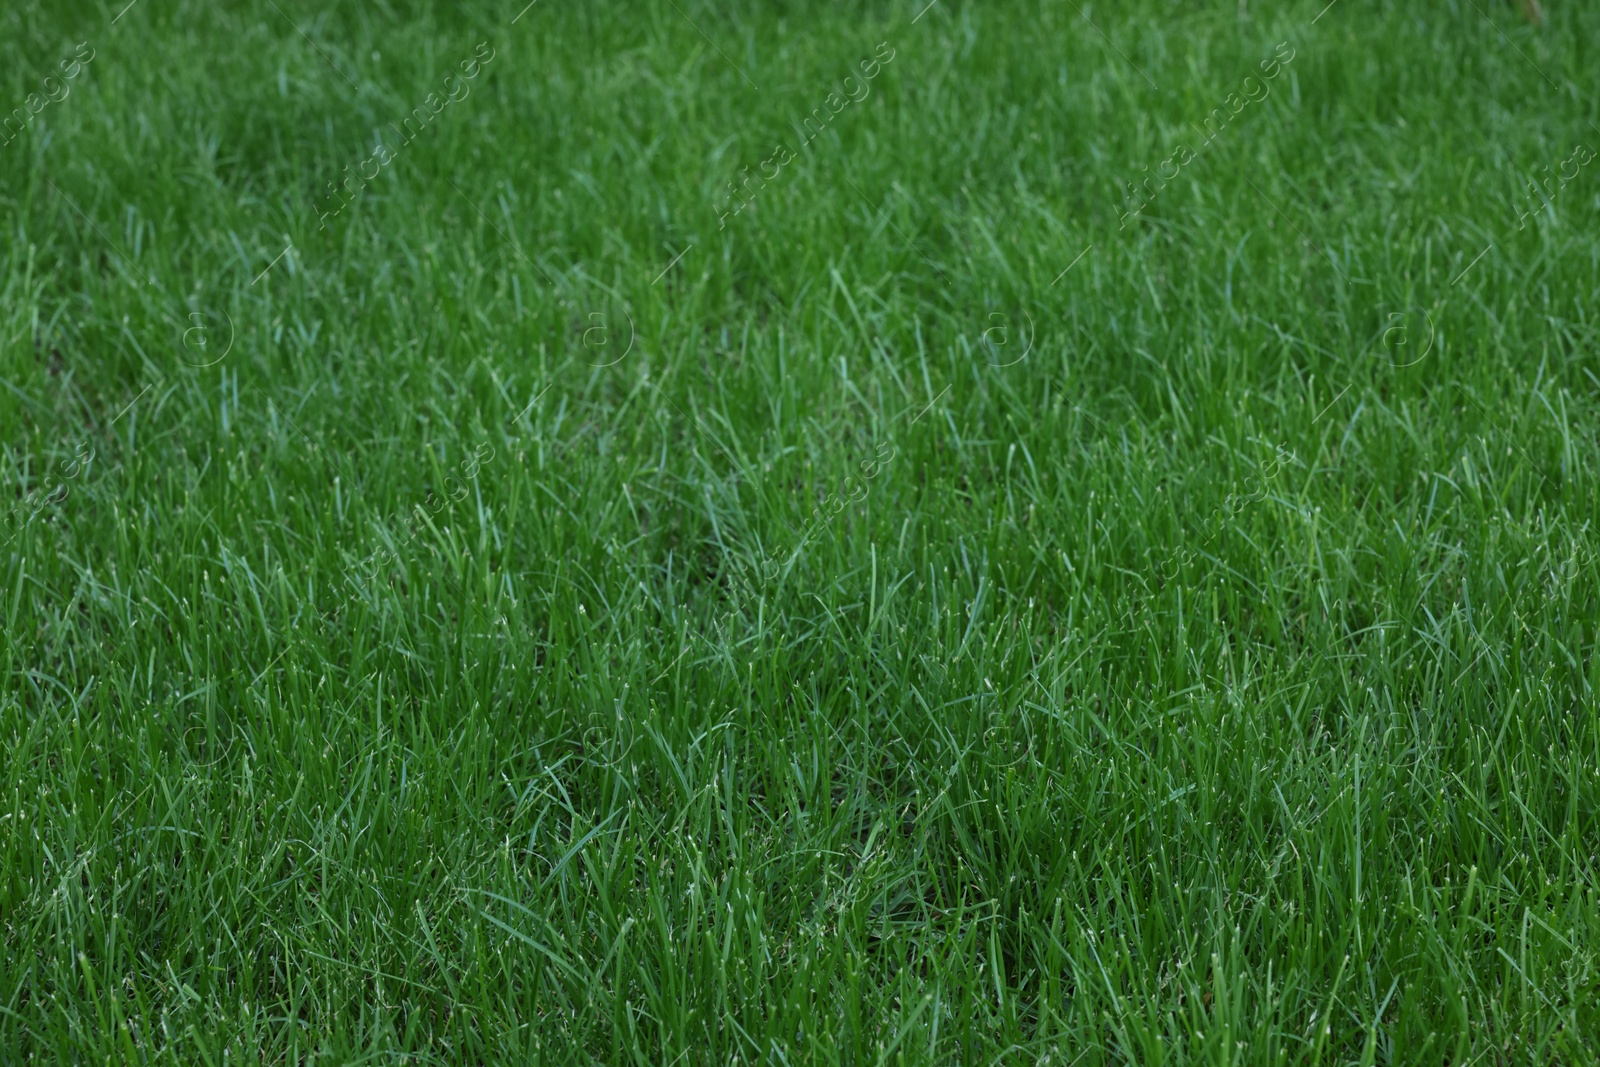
[(799, 533)]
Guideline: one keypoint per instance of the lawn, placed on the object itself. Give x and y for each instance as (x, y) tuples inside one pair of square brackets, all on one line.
[(706, 532)]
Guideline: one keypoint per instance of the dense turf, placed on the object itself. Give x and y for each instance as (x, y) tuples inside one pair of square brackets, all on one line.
[(575, 598)]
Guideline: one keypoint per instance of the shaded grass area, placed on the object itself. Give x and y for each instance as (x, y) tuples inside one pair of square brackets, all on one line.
[(927, 615)]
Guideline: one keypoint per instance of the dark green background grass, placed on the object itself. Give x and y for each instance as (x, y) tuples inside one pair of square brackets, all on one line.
[(1205, 673)]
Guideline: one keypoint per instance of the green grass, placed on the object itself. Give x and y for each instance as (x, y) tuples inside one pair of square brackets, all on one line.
[(929, 621)]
